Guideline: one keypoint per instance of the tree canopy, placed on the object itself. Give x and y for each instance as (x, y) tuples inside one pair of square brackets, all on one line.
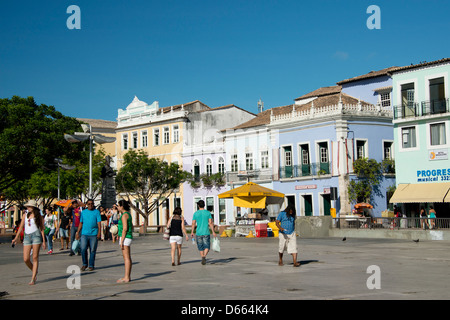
[(31, 136), (148, 180)]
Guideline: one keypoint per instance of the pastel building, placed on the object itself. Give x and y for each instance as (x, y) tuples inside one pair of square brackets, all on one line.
[(319, 137), (420, 97), (204, 155), (159, 132)]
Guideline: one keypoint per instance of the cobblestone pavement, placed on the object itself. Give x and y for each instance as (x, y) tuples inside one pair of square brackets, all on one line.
[(245, 269)]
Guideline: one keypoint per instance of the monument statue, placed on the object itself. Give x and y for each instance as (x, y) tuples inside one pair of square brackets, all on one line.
[(108, 186)]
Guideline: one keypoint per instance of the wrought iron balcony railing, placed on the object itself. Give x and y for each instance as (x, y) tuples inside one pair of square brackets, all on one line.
[(413, 109)]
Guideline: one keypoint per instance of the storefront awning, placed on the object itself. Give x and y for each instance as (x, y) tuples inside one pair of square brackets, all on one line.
[(421, 193)]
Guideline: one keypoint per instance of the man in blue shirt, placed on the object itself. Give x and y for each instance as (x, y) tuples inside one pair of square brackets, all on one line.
[(90, 227), (287, 237), (202, 221)]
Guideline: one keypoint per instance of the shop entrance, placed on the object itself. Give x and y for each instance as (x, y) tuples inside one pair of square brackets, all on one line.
[(326, 198), (307, 205)]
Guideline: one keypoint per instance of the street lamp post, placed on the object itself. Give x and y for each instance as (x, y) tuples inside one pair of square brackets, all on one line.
[(93, 137), (60, 164)]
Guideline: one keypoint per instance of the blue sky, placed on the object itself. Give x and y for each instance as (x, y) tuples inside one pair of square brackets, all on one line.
[(219, 52)]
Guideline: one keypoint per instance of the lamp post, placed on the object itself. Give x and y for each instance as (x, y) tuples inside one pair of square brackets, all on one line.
[(93, 137), (60, 164)]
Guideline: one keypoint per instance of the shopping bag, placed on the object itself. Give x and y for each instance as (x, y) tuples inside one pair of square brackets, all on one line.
[(75, 245), (215, 244)]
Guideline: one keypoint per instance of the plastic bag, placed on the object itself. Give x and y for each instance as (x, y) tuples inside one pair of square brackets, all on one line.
[(215, 244), (75, 245)]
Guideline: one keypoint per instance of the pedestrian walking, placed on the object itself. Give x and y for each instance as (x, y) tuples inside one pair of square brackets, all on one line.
[(74, 211), (49, 228), (432, 216), (125, 233), (33, 224), (63, 229), (114, 221), (89, 228), (104, 222), (177, 230), (201, 223), (287, 237)]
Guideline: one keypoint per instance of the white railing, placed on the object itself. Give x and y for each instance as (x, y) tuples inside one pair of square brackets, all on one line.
[(315, 112)]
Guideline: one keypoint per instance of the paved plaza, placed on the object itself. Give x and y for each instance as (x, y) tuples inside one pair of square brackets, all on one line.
[(245, 269)]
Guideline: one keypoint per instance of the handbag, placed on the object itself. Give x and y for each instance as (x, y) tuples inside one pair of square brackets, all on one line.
[(166, 235), (46, 231)]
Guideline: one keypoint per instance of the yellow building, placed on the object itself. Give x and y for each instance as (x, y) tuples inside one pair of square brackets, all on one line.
[(159, 132), (105, 128)]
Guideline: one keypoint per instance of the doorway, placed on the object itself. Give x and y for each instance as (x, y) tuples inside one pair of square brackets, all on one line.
[(307, 205), (326, 198)]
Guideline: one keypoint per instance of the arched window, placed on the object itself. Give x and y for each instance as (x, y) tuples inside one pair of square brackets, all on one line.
[(196, 168), (221, 165), (208, 167)]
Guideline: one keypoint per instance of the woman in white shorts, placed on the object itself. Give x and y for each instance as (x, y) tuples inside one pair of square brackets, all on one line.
[(34, 237), (126, 237), (177, 229)]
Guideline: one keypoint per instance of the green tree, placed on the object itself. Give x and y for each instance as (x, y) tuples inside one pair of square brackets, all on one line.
[(148, 180), (369, 175), (31, 136)]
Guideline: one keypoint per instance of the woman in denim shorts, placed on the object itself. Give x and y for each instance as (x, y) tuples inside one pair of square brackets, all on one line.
[(34, 237)]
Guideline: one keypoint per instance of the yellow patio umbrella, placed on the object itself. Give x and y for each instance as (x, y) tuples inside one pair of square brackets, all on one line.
[(252, 195)]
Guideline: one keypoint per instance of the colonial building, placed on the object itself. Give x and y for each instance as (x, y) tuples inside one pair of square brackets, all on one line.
[(204, 156), (159, 132), (420, 97), (319, 137)]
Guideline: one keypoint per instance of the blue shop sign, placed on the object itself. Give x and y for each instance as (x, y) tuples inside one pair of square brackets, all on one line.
[(433, 175)]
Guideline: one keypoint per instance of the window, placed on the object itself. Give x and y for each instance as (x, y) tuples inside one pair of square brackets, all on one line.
[(156, 137), (221, 165), (323, 152), (222, 211), (175, 134), (264, 159), (249, 161), (166, 139), (135, 140), (409, 137), (196, 170), (208, 167), (360, 149), (234, 163), (210, 205), (305, 159), (385, 99), (437, 134), (125, 141), (144, 139), (387, 150), (324, 166)]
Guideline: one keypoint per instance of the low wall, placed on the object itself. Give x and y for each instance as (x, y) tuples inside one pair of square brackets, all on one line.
[(312, 227), (322, 227), (407, 234)]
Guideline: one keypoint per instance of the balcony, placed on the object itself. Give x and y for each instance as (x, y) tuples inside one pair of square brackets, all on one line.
[(306, 170), (425, 108), (435, 107)]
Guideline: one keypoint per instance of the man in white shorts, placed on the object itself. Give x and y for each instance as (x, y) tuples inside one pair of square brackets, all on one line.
[(287, 237)]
